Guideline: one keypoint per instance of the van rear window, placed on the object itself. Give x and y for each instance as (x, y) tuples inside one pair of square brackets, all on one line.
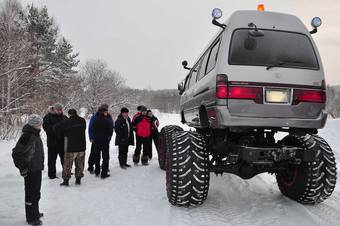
[(271, 47)]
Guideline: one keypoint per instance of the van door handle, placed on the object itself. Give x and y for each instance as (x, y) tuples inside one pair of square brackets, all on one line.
[(202, 91)]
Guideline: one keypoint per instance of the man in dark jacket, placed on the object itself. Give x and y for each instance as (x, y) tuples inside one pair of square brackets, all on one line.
[(91, 160), (28, 157), (154, 130), (142, 123), (124, 136), (102, 133), (75, 142), (55, 143)]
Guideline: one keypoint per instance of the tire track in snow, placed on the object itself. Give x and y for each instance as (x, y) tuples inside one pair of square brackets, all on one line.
[(328, 212)]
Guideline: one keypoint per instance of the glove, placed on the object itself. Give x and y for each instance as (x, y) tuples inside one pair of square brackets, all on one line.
[(24, 173)]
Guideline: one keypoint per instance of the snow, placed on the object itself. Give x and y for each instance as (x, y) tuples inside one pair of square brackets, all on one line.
[(137, 196)]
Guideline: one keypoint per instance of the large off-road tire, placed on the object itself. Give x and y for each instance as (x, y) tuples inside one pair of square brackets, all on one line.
[(309, 182), (163, 143), (187, 169)]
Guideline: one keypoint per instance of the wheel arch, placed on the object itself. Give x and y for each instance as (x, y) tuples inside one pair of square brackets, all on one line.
[(203, 115)]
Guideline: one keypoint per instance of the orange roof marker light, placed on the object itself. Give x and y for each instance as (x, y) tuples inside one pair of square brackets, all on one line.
[(260, 7)]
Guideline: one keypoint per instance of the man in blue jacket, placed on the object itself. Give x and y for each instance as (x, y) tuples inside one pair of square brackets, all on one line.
[(91, 160)]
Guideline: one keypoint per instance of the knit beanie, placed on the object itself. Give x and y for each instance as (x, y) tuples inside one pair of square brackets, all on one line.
[(143, 108), (35, 121), (58, 106), (124, 110)]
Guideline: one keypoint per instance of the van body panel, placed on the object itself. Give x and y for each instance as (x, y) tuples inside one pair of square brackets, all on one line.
[(225, 120), (243, 112)]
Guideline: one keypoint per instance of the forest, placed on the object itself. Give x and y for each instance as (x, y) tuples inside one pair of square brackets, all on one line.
[(40, 67)]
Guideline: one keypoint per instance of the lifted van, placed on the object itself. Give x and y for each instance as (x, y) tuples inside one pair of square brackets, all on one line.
[(260, 75)]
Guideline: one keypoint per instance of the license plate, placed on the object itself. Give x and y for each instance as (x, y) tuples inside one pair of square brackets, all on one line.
[(277, 96)]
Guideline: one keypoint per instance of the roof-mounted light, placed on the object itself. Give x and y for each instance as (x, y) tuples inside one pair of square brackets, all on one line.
[(216, 13), (316, 22)]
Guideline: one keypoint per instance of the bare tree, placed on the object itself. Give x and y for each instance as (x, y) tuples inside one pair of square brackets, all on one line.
[(14, 51), (35, 64), (101, 85)]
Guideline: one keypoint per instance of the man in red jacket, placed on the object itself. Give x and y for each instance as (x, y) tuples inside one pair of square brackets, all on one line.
[(142, 125), (138, 139)]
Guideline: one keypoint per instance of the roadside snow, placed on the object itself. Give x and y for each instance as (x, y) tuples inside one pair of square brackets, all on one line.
[(137, 197)]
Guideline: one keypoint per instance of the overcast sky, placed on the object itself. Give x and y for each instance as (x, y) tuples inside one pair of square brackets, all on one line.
[(146, 40)]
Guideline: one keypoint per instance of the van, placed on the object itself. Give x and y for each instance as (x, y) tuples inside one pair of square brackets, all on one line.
[(260, 75)]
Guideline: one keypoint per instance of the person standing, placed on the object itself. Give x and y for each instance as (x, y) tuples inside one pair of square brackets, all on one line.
[(154, 130), (124, 136), (138, 139), (102, 133), (91, 160), (28, 157), (143, 130), (74, 131), (55, 143)]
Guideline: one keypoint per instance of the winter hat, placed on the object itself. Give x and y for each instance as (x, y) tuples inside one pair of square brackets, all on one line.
[(103, 107), (58, 106), (143, 108), (72, 112), (124, 110), (35, 121)]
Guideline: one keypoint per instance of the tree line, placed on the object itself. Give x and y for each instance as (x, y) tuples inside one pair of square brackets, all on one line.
[(39, 67), (333, 101)]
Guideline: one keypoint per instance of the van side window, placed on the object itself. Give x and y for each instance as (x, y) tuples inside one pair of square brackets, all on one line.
[(187, 81), (203, 67), (213, 56), (193, 75)]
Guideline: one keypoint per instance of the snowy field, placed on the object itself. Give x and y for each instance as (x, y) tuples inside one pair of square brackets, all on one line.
[(137, 197)]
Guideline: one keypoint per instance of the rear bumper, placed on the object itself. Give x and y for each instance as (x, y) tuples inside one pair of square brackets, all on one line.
[(224, 119)]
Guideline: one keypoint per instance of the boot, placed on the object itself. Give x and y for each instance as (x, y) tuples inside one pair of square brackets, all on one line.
[(90, 169), (41, 215), (103, 176), (135, 159), (78, 181), (123, 166), (145, 160), (65, 183), (97, 171), (36, 222)]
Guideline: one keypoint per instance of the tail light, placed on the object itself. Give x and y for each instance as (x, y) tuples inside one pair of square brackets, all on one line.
[(250, 93), (221, 87), (314, 96), (237, 92)]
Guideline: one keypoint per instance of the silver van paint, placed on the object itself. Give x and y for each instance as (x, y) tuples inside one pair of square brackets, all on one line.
[(200, 97)]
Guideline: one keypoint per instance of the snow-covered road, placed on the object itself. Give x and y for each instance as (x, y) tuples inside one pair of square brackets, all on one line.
[(137, 197)]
